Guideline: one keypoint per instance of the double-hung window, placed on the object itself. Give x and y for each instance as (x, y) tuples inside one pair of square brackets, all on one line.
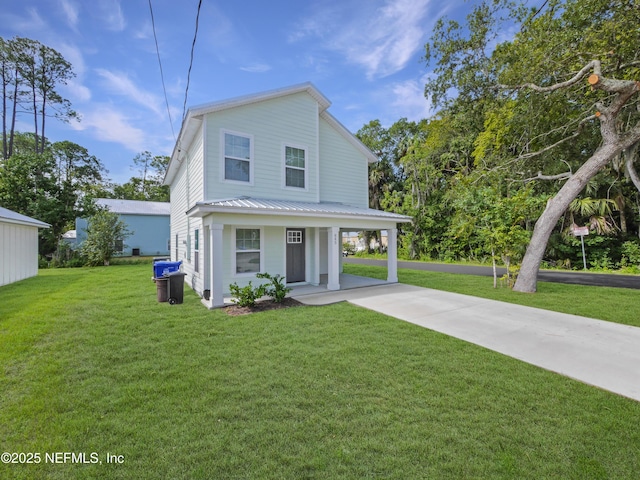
[(295, 167), (248, 250), (238, 157), (196, 251)]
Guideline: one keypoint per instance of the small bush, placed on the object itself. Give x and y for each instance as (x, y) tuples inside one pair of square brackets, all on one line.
[(246, 296), (277, 290), (630, 254)]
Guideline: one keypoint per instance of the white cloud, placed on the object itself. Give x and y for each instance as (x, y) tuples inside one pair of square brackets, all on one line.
[(256, 68), (409, 100), (121, 84), (109, 125), (77, 92), (111, 14), (381, 40), (70, 11), (25, 26)]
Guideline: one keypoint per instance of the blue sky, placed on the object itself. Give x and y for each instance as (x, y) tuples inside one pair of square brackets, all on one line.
[(364, 55)]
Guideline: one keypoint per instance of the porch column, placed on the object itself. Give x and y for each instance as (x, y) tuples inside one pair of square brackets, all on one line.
[(215, 265), (334, 248), (392, 255)]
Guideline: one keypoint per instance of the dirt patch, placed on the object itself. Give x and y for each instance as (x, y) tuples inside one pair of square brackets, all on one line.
[(262, 306)]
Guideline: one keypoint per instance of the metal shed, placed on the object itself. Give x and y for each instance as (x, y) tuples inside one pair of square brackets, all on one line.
[(18, 246)]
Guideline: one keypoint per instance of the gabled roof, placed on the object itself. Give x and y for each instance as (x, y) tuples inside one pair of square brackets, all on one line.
[(263, 206), (194, 116), (9, 216), (134, 207)]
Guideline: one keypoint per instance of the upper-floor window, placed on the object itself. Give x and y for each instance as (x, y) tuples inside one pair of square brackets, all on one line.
[(295, 167), (238, 157)]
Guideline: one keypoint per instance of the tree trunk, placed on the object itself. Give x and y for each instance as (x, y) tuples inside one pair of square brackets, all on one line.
[(13, 115), (527, 278), (5, 82)]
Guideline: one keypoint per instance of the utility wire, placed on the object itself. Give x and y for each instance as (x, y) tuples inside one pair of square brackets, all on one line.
[(164, 89), (193, 46)]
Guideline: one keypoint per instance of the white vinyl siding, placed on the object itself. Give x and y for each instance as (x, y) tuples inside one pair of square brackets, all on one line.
[(186, 190), (290, 120), (343, 169), (178, 218)]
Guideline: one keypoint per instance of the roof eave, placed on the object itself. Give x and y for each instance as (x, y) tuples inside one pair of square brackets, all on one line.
[(200, 210), (35, 223)]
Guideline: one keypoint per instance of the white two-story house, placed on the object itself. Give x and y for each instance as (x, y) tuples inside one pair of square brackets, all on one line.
[(267, 183)]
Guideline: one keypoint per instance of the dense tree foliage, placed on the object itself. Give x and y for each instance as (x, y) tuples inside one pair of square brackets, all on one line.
[(105, 231), (54, 186), (54, 182), (30, 74), (535, 133), (147, 185)]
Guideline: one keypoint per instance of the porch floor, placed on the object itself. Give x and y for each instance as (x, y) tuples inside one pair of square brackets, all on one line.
[(347, 282)]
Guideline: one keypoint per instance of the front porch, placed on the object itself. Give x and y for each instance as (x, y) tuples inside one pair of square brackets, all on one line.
[(347, 282)]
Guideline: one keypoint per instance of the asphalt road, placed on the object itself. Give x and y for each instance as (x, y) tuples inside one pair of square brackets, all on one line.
[(576, 278)]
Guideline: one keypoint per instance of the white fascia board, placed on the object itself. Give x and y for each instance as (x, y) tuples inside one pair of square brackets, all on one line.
[(190, 127), (204, 210)]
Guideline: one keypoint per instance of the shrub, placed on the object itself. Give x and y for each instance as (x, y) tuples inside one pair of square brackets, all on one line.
[(246, 296), (277, 290), (630, 253)]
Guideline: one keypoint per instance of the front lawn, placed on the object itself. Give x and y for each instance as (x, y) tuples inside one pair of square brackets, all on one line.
[(91, 363)]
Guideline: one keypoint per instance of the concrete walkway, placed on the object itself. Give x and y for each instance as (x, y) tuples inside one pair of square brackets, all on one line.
[(599, 353)]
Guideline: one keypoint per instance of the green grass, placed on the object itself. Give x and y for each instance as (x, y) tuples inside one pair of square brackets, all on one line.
[(620, 305), (92, 363)]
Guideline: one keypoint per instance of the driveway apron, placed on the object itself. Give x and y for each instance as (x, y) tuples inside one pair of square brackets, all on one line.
[(599, 353)]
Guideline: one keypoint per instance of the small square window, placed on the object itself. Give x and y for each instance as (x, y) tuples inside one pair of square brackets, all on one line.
[(294, 236)]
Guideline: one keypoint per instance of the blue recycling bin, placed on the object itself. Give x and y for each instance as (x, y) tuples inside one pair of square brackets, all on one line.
[(164, 268)]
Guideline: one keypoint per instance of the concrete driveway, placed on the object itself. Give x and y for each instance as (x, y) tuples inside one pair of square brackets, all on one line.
[(599, 353)]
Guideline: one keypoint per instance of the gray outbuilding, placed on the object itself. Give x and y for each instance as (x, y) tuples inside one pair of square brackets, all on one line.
[(18, 246)]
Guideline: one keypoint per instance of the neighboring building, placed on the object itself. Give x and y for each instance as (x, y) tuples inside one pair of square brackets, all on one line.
[(18, 246), (359, 244), (267, 183), (148, 223)]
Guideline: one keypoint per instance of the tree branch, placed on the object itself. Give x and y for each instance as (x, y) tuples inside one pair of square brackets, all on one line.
[(592, 65), (559, 142), (540, 176)]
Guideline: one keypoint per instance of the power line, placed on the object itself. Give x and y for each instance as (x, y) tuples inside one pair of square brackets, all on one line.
[(193, 46), (164, 89)]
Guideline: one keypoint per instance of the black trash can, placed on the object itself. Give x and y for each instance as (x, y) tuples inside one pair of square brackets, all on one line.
[(175, 290)]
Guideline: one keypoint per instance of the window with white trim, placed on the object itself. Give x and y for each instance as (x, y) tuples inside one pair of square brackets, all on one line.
[(237, 157), (294, 236), (295, 167), (196, 251), (248, 250)]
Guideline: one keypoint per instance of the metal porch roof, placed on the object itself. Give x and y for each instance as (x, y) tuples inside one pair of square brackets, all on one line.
[(286, 207)]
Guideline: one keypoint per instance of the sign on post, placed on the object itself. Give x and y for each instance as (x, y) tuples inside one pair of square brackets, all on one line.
[(581, 232)]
